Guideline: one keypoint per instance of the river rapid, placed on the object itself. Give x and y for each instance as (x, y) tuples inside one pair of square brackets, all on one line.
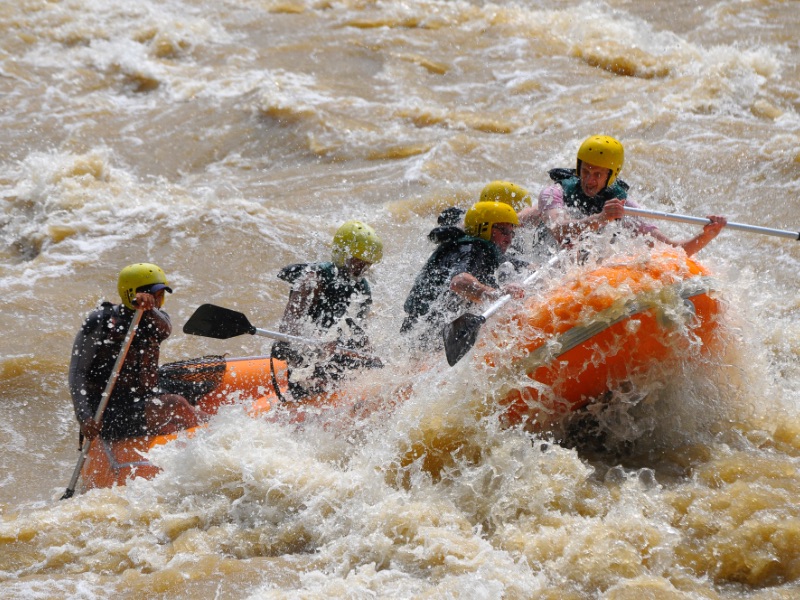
[(223, 140)]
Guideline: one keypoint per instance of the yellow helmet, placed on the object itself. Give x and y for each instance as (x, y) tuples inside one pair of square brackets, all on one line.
[(509, 193), (480, 218), (358, 240), (139, 278), (602, 151)]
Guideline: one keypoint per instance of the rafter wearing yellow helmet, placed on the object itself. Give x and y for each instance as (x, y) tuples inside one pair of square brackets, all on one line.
[(593, 195), (329, 297), (602, 151), (136, 404), (461, 271), (482, 216)]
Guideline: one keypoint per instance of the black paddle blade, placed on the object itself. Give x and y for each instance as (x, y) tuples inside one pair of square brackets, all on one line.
[(217, 322), (460, 336)]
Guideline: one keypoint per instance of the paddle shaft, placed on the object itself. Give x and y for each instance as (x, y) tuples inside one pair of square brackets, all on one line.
[(104, 398), (654, 214), (283, 337), (293, 339), (223, 323), (498, 304), (460, 334)]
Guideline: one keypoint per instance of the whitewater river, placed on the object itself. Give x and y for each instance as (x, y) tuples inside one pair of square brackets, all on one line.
[(225, 139)]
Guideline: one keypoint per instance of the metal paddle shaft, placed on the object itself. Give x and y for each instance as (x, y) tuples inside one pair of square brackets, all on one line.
[(654, 214), (101, 408), (460, 335), (223, 323)]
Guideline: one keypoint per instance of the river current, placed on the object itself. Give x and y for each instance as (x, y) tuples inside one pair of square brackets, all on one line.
[(224, 140)]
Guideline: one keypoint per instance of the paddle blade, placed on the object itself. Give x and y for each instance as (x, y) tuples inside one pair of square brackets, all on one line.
[(460, 336), (217, 322)]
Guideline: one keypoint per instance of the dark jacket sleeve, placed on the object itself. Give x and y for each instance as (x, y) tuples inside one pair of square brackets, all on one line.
[(157, 323), (84, 349)]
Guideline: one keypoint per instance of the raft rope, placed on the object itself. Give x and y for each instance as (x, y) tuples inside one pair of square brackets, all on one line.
[(576, 336), (275, 385)]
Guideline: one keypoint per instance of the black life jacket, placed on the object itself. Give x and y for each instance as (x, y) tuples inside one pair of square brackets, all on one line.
[(336, 293), (138, 377), (434, 279), (110, 328), (445, 233)]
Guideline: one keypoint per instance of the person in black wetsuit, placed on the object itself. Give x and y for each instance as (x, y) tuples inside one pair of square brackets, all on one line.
[(462, 270), (331, 301), (451, 219), (591, 196), (137, 405)]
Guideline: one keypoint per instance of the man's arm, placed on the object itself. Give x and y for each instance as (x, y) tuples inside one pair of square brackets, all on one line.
[(698, 242), (467, 286), (301, 298), (564, 226)]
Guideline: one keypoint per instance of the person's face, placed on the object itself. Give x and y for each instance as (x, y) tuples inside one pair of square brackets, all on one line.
[(356, 267), (593, 179), (502, 235), (160, 296)]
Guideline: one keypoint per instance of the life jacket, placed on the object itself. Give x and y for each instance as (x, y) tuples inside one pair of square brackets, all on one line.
[(434, 279), (109, 327), (336, 293), (138, 377), (140, 369), (445, 233), (334, 297), (575, 198)]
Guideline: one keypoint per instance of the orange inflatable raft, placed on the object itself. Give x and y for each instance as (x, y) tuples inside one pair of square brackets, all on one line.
[(211, 382), (598, 331), (551, 355)]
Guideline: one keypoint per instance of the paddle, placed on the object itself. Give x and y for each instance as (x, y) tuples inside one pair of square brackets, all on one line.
[(460, 334), (223, 323), (640, 212), (104, 398)]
